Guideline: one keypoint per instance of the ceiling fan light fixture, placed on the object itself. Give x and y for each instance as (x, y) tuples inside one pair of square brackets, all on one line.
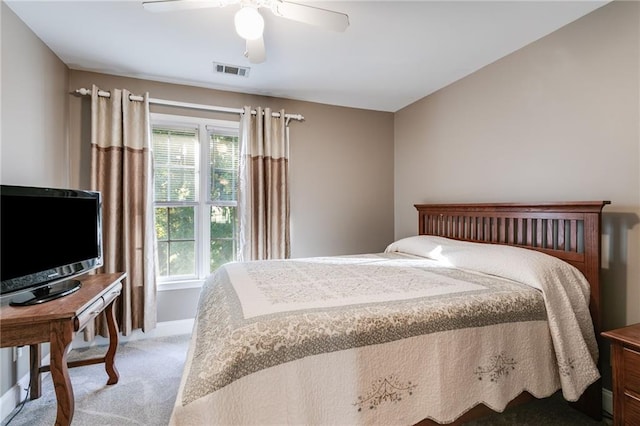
[(249, 23)]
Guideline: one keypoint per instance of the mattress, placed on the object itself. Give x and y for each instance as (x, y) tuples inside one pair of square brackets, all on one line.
[(427, 329)]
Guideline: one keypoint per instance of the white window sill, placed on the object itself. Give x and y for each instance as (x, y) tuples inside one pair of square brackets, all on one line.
[(179, 285)]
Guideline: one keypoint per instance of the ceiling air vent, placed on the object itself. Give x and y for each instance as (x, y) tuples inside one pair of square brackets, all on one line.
[(231, 69)]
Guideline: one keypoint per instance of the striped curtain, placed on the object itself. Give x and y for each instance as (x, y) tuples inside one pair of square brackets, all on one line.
[(121, 171), (263, 193)]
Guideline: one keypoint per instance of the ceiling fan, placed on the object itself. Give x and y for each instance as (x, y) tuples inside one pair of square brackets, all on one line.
[(249, 22)]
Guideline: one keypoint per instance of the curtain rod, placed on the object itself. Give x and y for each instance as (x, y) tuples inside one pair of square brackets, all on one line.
[(85, 92)]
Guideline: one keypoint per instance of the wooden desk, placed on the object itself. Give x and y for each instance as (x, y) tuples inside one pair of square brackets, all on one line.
[(56, 322)]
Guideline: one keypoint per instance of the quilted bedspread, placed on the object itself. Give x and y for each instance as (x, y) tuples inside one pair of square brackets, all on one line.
[(428, 329)]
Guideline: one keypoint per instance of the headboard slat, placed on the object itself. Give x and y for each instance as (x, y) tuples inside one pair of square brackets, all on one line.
[(561, 229), (573, 245)]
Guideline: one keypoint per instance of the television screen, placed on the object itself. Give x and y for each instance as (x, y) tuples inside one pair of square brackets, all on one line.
[(47, 235)]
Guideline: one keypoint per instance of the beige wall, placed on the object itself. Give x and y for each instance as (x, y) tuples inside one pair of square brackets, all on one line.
[(556, 120), (34, 108), (33, 144)]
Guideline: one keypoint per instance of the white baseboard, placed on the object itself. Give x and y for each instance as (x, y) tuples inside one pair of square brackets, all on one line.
[(163, 329), (14, 396)]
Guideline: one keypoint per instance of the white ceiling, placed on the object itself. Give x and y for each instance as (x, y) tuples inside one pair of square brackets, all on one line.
[(392, 54)]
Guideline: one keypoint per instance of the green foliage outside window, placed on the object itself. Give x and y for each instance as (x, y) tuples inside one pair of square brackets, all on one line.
[(223, 232), (178, 203), (223, 162), (175, 232)]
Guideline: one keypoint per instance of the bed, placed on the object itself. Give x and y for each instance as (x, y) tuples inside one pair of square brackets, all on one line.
[(488, 305)]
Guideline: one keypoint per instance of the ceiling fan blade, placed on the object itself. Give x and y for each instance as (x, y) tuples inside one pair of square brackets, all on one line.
[(176, 5), (324, 18), (255, 51)]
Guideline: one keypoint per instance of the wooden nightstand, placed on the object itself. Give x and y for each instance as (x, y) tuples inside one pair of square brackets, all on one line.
[(625, 345)]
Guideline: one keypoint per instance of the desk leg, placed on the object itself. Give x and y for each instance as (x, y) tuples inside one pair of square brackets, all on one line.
[(35, 381), (61, 337), (109, 359)]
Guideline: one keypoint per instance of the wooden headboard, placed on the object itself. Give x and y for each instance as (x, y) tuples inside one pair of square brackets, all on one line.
[(569, 231)]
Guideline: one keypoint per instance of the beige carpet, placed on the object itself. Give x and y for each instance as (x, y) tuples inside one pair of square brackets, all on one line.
[(150, 372)]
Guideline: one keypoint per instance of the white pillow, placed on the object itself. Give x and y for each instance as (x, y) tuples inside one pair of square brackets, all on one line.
[(428, 246)]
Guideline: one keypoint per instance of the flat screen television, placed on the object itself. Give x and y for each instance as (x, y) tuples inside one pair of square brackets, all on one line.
[(48, 237)]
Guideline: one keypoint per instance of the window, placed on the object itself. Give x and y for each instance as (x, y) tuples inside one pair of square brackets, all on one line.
[(195, 195)]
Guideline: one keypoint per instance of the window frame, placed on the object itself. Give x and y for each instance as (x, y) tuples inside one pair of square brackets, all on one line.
[(203, 204)]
